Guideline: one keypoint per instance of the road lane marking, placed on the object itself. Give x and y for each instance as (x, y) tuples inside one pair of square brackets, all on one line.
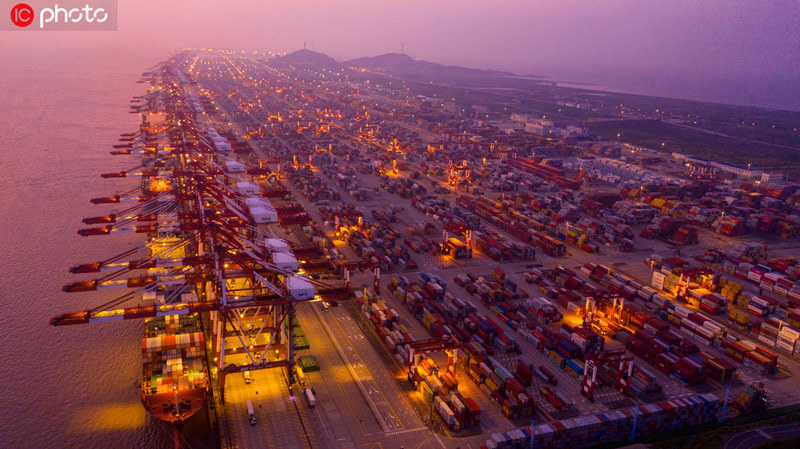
[(378, 415), (401, 432), (439, 440), (764, 434), (368, 371), (338, 376)]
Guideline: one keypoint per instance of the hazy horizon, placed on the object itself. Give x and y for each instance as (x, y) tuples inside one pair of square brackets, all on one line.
[(722, 51), (70, 97)]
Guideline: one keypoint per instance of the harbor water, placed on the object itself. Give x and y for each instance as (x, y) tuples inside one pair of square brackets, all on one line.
[(72, 386)]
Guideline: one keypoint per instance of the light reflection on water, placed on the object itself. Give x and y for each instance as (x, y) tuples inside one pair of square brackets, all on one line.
[(72, 386)]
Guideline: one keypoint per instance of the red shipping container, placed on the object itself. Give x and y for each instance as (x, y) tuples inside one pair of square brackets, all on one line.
[(664, 362), (669, 337)]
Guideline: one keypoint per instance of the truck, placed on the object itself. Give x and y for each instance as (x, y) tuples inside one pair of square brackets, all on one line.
[(248, 377), (750, 400), (301, 376), (312, 401), (251, 414)]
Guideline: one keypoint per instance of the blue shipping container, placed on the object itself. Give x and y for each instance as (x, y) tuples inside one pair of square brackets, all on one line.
[(510, 286)]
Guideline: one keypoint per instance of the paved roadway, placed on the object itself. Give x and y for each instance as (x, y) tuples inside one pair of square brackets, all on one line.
[(754, 437), (345, 414), (351, 415), (368, 368), (280, 420)]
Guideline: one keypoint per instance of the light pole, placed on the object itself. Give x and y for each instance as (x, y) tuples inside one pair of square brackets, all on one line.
[(635, 422), (725, 404), (433, 395), (533, 432), (430, 418)]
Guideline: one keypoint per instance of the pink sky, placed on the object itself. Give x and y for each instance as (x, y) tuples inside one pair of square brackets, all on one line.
[(582, 40)]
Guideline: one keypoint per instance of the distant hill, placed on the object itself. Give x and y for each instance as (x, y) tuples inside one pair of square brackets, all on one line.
[(397, 64), (305, 58), (405, 66)]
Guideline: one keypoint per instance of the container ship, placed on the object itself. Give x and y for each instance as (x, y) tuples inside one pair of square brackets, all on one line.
[(174, 372), (175, 381)]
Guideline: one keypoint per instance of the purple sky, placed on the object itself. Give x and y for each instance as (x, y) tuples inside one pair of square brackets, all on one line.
[(626, 43)]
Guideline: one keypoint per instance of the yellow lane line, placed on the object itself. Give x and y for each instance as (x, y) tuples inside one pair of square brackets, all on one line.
[(370, 372), (337, 374)]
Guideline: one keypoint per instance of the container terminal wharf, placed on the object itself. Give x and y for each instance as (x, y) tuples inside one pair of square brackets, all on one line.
[(378, 269)]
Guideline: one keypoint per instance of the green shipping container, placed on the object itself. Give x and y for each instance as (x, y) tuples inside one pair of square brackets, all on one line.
[(308, 363), (301, 342)]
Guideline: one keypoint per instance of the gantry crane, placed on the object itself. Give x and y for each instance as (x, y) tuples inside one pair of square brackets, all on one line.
[(211, 247), (417, 348), (348, 267), (457, 229), (622, 364)]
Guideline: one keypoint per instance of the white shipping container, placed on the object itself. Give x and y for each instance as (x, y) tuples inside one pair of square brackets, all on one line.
[(714, 327), (659, 300), (686, 322), (705, 332), (276, 245), (234, 167), (788, 332), (299, 288), (263, 215), (754, 276), (658, 280), (767, 340), (682, 311)]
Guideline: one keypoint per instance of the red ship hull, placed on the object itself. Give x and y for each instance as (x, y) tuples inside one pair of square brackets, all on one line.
[(163, 405)]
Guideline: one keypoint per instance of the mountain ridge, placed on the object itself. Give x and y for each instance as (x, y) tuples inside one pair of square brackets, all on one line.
[(398, 64)]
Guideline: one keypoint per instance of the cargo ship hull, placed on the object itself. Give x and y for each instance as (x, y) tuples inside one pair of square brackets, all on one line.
[(162, 406), (174, 369)]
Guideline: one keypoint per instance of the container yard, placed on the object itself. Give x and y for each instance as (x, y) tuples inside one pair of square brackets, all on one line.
[(424, 278)]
